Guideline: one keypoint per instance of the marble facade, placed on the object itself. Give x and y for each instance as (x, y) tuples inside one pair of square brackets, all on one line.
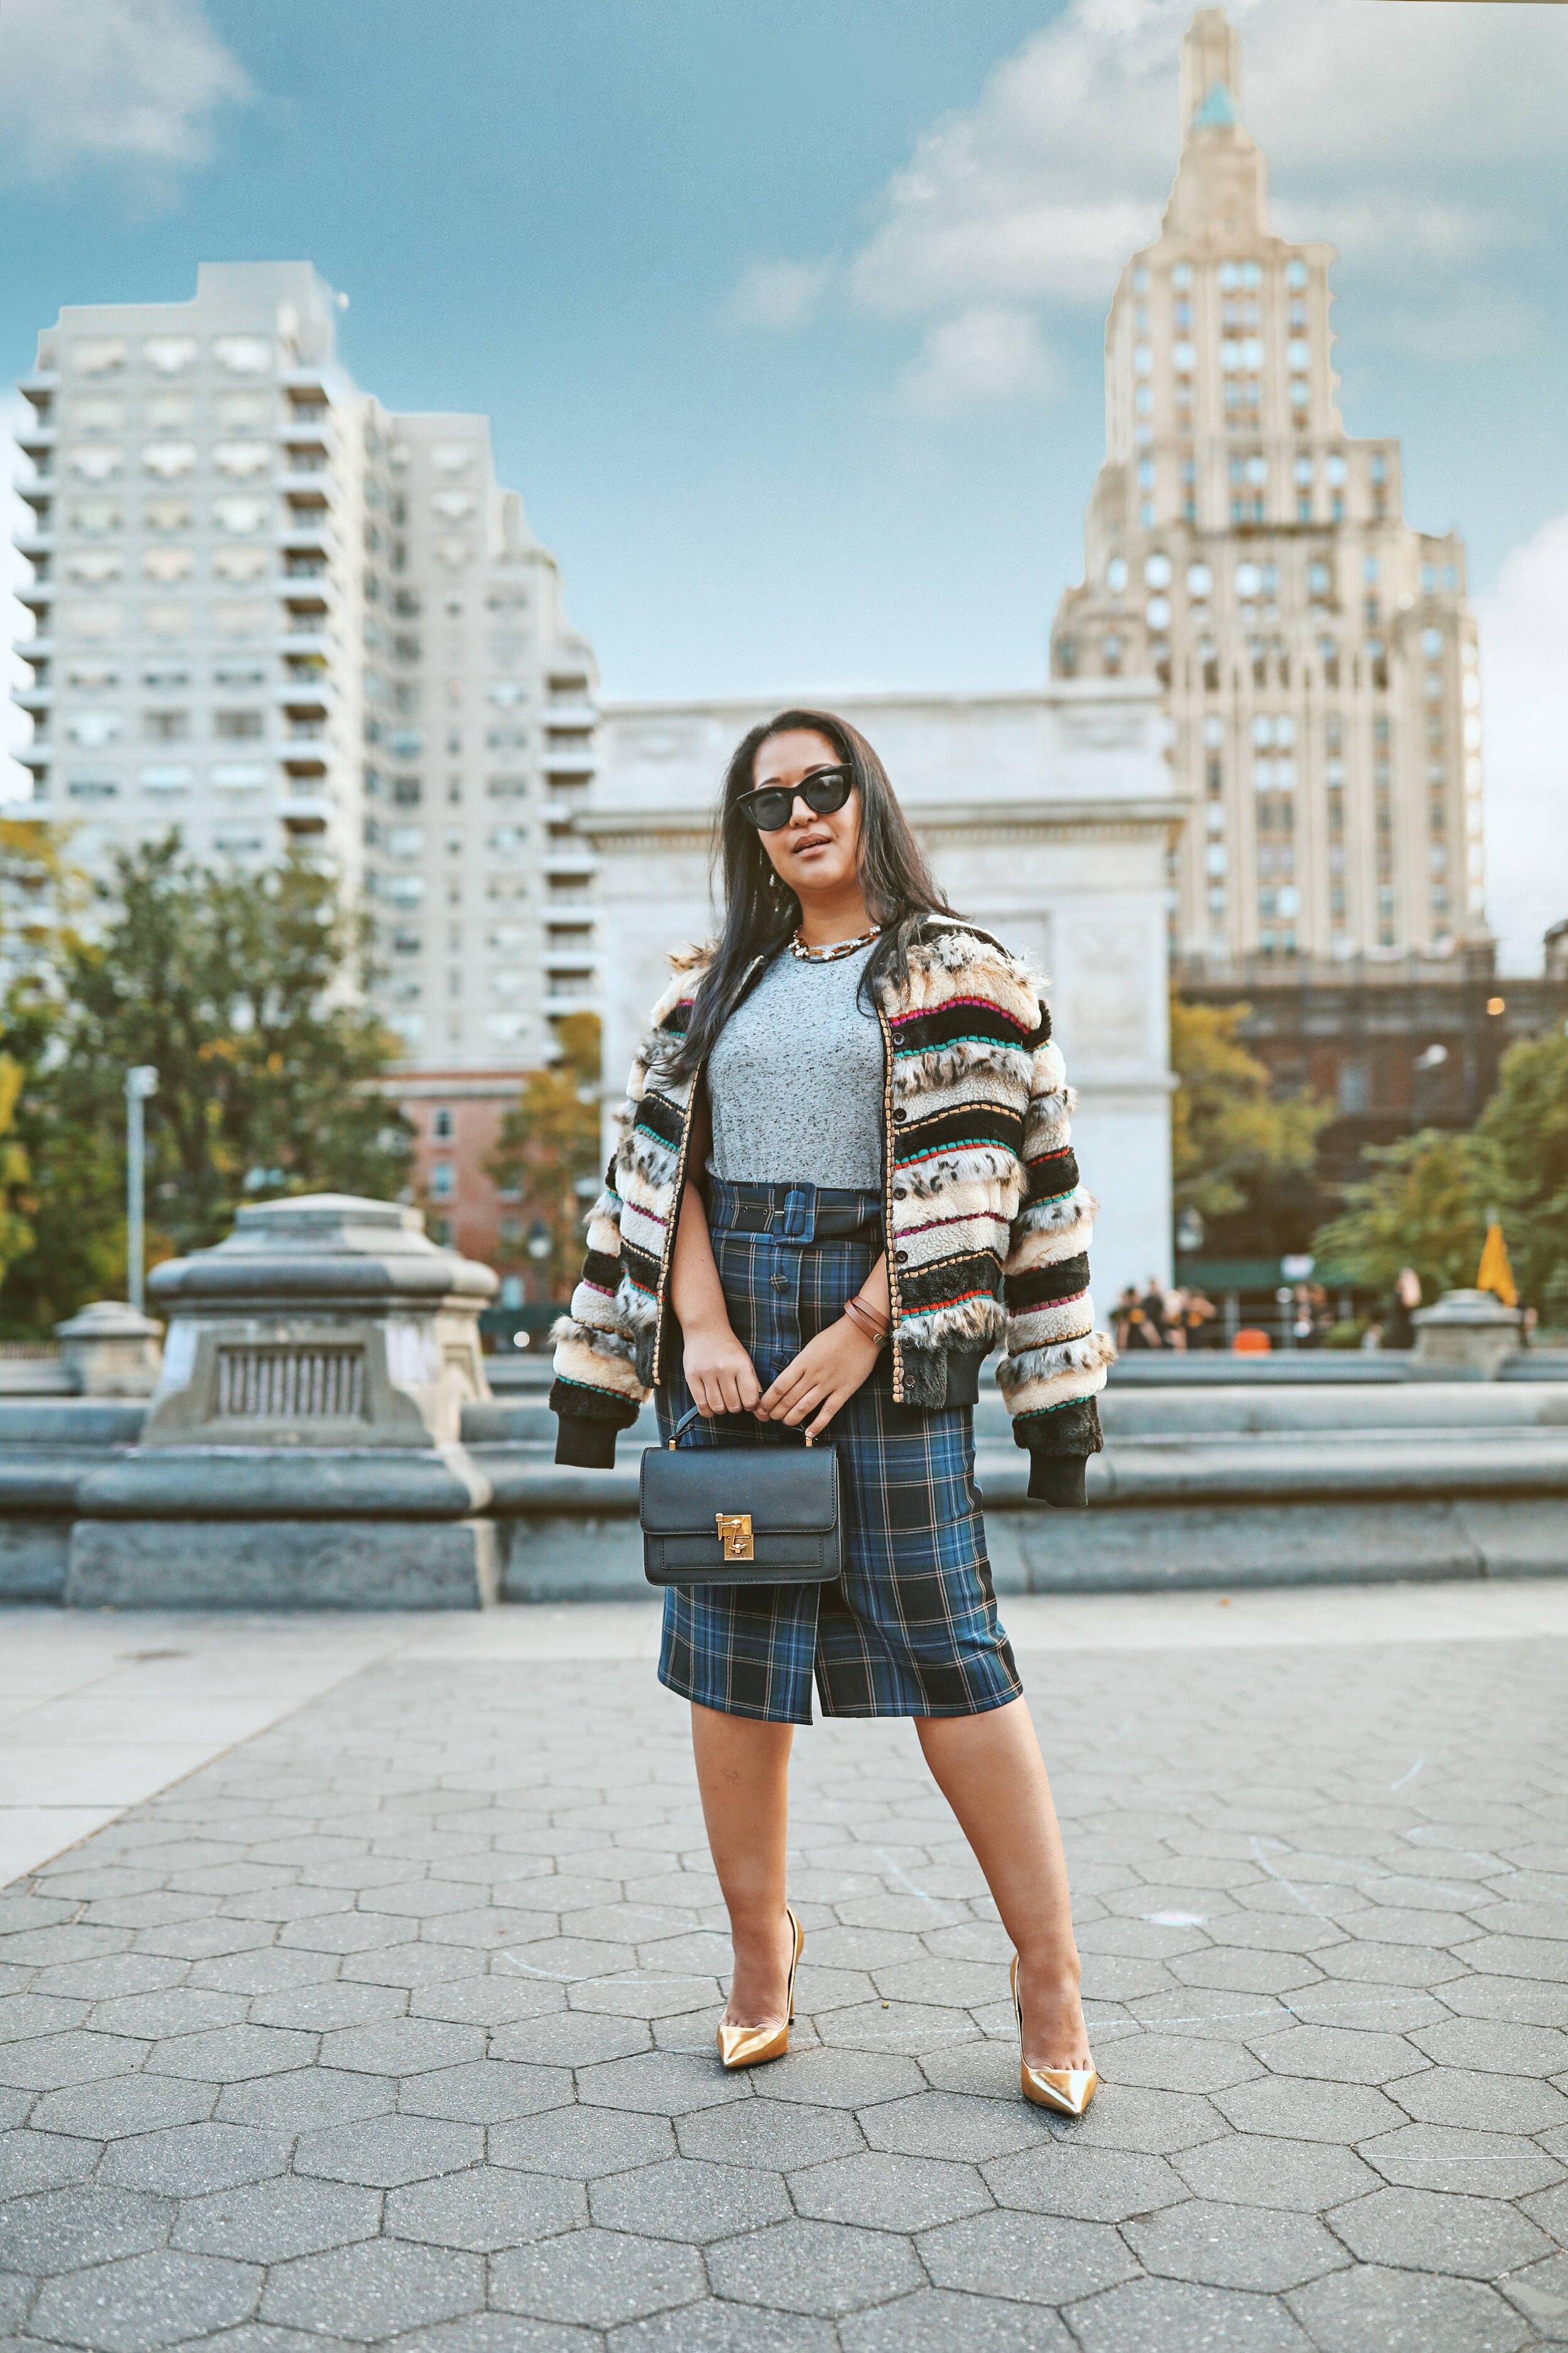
[(1049, 815)]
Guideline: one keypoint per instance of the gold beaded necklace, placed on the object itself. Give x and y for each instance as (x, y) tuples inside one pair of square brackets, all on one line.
[(798, 947)]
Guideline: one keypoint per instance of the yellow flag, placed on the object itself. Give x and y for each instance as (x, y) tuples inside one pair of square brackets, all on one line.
[(1495, 1274)]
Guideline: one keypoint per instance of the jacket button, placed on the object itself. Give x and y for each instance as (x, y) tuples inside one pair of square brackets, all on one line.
[(898, 1118), (900, 1257)]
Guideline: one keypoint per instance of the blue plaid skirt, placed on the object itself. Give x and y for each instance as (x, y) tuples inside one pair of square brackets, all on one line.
[(911, 1628)]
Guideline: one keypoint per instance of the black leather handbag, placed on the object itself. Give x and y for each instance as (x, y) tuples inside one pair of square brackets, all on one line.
[(738, 1515)]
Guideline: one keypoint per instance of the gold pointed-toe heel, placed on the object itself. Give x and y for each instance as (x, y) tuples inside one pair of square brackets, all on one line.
[(751, 2046), (1068, 2089)]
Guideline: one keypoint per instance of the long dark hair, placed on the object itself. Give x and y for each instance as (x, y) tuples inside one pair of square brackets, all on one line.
[(761, 911)]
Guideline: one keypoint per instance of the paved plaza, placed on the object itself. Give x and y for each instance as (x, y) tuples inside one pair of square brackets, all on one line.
[(392, 2021)]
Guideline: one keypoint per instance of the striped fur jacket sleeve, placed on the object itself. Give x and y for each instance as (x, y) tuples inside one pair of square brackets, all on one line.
[(987, 1208)]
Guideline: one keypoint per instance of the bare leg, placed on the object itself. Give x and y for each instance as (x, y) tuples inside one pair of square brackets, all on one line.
[(990, 1770), (742, 1771)]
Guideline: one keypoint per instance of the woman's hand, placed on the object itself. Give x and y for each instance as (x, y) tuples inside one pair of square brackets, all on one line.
[(719, 1372), (824, 1376)]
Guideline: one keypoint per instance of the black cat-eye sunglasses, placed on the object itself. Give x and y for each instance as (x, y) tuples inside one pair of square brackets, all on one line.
[(824, 790)]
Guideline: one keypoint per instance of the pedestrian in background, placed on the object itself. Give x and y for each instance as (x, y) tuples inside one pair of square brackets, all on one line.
[(844, 1175)]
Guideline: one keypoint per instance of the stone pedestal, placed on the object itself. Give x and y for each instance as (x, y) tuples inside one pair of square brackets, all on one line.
[(111, 1350), (321, 1320), (1467, 1332), (303, 1448)]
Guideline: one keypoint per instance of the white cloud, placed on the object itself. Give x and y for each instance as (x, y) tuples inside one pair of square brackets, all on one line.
[(984, 354), (1421, 139), (1524, 709), (781, 293), (87, 82)]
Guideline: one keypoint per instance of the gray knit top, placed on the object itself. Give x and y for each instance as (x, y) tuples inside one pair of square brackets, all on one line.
[(795, 1080)]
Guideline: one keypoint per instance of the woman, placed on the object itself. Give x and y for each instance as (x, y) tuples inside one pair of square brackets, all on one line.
[(851, 1065)]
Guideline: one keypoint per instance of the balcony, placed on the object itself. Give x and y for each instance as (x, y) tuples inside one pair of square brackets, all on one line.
[(300, 698), (306, 639), (306, 759), (568, 910), (34, 698), (36, 440), (36, 540), (34, 648), (571, 861)]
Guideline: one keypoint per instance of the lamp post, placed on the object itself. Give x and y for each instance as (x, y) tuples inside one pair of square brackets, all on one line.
[(539, 1248), (140, 1082)]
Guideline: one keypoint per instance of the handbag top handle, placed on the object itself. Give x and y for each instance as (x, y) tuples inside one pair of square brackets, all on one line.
[(694, 1413)]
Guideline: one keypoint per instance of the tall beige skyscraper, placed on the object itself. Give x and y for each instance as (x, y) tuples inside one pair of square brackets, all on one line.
[(270, 612), (1318, 651)]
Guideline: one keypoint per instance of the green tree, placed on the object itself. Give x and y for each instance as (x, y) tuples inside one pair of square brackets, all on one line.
[(1521, 1167), (549, 1148), (244, 992), (1240, 1156), (1419, 1208)]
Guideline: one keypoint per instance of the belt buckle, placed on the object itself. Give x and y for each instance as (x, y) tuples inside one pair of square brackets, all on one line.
[(735, 1534)]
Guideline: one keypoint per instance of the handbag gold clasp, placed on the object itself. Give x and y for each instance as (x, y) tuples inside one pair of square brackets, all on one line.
[(735, 1534)]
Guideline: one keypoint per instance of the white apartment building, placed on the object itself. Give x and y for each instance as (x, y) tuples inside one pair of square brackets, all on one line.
[(270, 612), (1317, 653)]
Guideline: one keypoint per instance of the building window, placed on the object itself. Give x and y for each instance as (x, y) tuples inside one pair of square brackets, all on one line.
[(442, 1181), (441, 1123), (235, 724)]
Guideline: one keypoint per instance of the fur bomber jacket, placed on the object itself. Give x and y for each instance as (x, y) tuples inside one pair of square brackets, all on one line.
[(987, 1224)]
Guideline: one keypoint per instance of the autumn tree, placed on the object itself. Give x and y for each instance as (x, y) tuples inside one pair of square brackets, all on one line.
[(1419, 1208), (549, 1153), (1240, 1157)]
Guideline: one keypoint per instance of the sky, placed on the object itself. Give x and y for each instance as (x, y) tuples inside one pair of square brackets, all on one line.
[(790, 320)]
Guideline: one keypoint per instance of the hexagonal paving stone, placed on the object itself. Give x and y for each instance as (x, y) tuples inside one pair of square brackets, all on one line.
[(233, 2055), (1447, 2156), (273, 2221), (889, 2192), (1181, 2063), (489, 2332), (385, 2152), (486, 2209), (569, 2038), (307, 2098), (1487, 2101), (843, 2079), (41, 2160), (145, 2301), (1407, 2312), (120, 2104), (401, 2046), (947, 2124), (171, 2009), (1437, 2230), (1090, 2185), (660, 2083), (687, 2199), (1540, 2293), (583, 2143), (596, 2276), (1340, 2055), (1499, 2046), (773, 2133), (826, 2268), (715, 2328), (1299, 2107), (61, 2229), (1178, 2317), (1031, 2258), (375, 2290), (486, 2092), (1234, 2246), (1249, 2169), (44, 2062), (940, 2320), (188, 2160)]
